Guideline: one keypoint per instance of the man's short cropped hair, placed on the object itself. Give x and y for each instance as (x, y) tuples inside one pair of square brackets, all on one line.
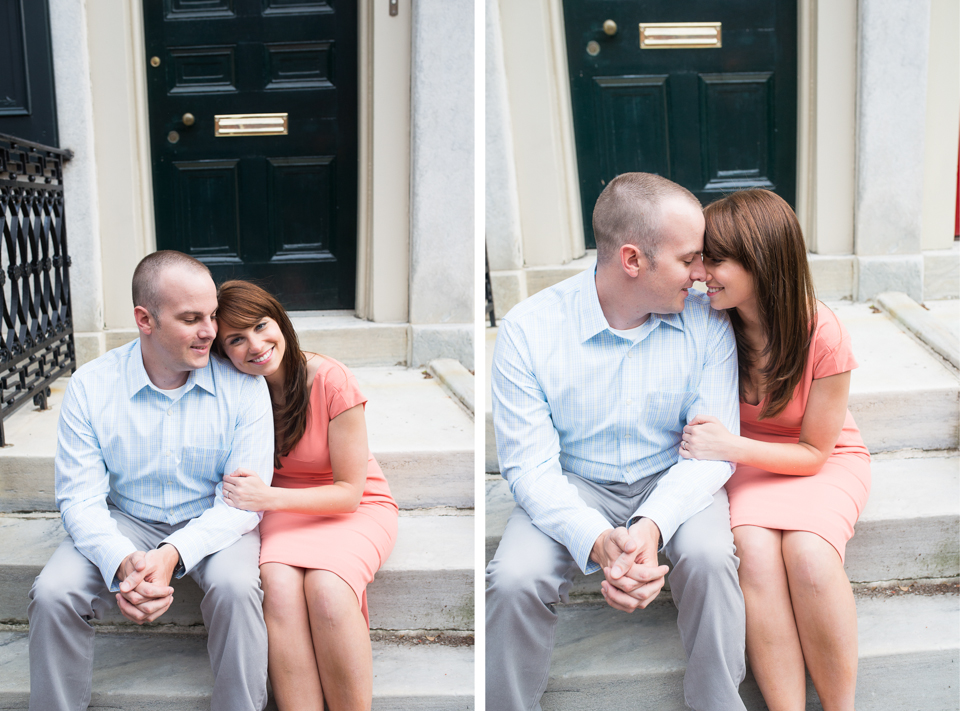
[(146, 277), (628, 212)]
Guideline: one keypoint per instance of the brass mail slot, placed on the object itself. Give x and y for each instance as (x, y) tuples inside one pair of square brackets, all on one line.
[(679, 35), (250, 125)]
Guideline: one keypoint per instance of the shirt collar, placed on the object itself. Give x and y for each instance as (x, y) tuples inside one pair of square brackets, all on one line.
[(137, 378), (592, 320)]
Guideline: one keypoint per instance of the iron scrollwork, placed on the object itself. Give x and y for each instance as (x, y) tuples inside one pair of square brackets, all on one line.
[(36, 331)]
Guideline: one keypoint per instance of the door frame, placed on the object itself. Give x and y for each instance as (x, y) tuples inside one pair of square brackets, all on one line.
[(124, 179), (827, 37)]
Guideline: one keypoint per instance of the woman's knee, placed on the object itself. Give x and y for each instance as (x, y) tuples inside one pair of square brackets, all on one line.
[(329, 597), (282, 589), (812, 563), (758, 550)]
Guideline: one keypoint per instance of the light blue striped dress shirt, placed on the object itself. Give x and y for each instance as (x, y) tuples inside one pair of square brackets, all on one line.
[(569, 394), (158, 460)]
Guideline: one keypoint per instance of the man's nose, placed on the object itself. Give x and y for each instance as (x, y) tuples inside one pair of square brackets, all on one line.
[(208, 328), (697, 271)]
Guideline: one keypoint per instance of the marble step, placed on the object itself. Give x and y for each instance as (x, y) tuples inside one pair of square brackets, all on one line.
[(427, 583), (422, 437), (138, 672), (909, 647), (910, 528)]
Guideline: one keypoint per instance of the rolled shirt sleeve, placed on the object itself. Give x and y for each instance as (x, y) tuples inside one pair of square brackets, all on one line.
[(528, 447), (689, 486), (222, 525)]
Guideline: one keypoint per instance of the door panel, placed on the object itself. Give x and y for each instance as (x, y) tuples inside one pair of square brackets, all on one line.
[(638, 104), (28, 103), (712, 119), (277, 208), (209, 207), (736, 119)]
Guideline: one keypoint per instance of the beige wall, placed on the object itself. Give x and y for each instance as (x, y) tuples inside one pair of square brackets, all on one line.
[(121, 140), (542, 122), (383, 250), (827, 84), (115, 39), (943, 127)]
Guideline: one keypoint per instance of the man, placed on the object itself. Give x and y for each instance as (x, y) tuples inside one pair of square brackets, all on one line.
[(146, 433), (593, 381)]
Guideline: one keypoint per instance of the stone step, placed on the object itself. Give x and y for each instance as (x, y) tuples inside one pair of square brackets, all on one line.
[(908, 648), (902, 396), (172, 673), (427, 583), (421, 436), (909, 530)]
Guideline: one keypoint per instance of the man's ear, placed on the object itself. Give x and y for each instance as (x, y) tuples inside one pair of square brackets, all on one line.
[(632, 260), (145, 321)]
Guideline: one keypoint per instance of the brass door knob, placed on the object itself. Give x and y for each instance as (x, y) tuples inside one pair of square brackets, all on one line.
[(188, 119), (610, 27)]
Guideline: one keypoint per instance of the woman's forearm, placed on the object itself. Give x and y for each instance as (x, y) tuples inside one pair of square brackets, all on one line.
[(798, 459), (337, 498)]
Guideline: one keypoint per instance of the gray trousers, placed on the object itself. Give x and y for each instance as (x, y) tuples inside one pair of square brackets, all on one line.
[(69, 592), (531, 573)]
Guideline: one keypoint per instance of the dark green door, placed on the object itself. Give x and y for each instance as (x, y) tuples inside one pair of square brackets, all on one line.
[(280, 209), (714, 119)]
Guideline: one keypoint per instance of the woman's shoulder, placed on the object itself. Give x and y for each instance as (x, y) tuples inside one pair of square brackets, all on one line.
[(830, 329), (327, 371)]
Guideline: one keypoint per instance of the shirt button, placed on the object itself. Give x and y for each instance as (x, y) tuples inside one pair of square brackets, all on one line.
[(629, 435), (169, 454), (170, 411), (629, 354), (629, 402)]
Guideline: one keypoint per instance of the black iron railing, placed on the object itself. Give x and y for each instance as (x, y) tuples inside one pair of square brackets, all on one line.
[(36, 333), (488, 310)]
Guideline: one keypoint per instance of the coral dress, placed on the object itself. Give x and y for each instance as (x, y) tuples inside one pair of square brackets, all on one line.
[(352, 545), (829, 502)]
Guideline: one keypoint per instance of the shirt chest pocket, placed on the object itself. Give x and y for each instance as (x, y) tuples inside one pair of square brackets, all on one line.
[(204, 463)]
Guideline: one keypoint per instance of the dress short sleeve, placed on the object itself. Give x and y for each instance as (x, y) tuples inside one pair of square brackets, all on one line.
[(832, 353), (340, 387)]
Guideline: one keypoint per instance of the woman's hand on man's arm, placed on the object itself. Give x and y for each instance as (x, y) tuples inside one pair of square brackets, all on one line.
[(823, 418)]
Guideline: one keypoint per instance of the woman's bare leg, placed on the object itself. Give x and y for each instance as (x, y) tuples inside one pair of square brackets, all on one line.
[(293, 665), (826, 616), (773, 645), (341, 641)]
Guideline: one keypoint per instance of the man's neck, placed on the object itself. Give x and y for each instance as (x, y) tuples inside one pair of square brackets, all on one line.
[(616, 309), (162, 377)]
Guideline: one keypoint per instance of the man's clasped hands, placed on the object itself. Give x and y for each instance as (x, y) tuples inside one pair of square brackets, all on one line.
[(145, 591), (628, 558)]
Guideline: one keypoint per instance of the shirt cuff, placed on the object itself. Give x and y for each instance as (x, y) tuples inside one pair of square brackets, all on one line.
[(667, 521), (185, 543), (582, 533), (111, 563)]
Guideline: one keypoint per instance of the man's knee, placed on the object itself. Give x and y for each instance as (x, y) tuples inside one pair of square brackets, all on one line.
[(235, 588), (68, 584), (708, 556), (520, 581), (52, 597)]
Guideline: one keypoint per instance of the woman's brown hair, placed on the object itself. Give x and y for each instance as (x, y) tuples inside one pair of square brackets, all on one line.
[(758, 230), (242, 304)]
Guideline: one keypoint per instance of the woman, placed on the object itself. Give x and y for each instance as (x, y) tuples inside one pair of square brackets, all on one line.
[(803, 472), (329, 519)]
